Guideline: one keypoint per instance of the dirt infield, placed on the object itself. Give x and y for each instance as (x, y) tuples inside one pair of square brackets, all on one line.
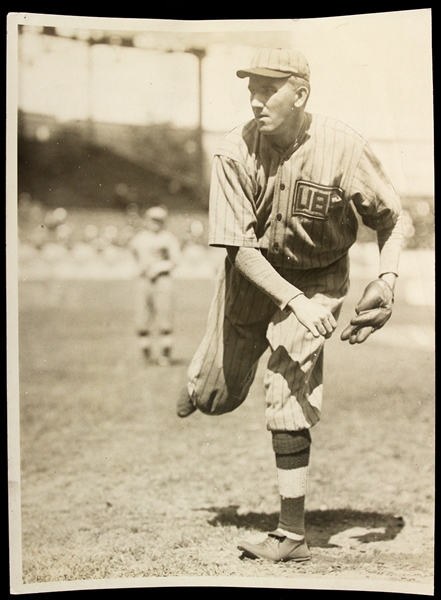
[(116, 490)]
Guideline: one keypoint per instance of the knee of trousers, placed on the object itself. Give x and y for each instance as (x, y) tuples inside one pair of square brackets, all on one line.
[(216, 400), (290, 442)]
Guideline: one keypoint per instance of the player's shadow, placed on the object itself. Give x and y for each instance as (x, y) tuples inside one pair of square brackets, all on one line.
[(321, 525), (174, 362)]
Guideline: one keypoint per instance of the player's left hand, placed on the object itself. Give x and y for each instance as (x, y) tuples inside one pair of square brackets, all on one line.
[(318, 319), (373, 311)]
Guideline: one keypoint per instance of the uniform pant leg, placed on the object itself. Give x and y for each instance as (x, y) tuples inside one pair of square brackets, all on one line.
[(163, 302), (164, 322), (225, 363), (143, 305), (294, 376)]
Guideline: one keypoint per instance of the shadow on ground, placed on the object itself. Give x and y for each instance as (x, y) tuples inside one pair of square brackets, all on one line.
[(321, 525), (174, 362)]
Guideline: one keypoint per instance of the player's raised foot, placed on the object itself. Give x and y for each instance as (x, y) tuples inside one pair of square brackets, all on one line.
[(185, 406), (277, 548)]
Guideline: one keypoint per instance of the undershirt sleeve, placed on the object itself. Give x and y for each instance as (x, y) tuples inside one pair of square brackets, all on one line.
[(390, 241), (255, 268)]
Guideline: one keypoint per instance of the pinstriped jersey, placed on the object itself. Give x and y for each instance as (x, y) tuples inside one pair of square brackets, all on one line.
[(298, 204)]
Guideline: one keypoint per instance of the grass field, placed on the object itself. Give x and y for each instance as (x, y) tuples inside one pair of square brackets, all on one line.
[(114, 485)]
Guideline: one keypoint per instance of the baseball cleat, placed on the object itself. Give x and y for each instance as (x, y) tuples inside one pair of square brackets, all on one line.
[(164, 358), (185, 406), (277, 548)]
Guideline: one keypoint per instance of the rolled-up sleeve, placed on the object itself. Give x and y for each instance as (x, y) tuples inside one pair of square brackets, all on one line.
[(232, 215)]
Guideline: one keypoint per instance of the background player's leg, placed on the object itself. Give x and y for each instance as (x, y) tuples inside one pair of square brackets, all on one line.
[(165, 347), (143, 316), (163, 300)]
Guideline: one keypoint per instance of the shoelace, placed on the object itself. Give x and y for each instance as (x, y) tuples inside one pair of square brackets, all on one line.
[(271, 540)]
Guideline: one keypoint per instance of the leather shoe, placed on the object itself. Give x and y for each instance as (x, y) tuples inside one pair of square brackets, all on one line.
[(277, 548), (185, 406)]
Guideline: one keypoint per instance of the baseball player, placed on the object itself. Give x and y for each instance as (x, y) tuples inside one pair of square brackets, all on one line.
[(284, 191), (157, 252)]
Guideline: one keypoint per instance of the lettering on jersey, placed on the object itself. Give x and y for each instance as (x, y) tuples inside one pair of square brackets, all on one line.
[(313, 200)]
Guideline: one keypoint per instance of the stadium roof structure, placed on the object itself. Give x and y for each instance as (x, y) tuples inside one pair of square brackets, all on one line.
[(170, 40)]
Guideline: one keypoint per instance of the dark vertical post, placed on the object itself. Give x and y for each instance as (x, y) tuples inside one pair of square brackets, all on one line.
[(202, 186), (90, 125)]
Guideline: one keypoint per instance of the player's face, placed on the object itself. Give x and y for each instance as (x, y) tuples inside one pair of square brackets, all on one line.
[(272, 101), (154, 225)]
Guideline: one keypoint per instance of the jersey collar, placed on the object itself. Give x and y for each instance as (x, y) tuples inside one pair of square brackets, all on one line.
[(301, 139)]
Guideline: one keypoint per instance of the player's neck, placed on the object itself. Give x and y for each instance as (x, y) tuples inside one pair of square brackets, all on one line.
[(291, 133)]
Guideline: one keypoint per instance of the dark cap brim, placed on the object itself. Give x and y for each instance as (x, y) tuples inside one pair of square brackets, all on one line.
[(263, 73)]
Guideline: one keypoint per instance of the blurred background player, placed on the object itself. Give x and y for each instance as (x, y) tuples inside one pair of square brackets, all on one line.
[(157, 252)]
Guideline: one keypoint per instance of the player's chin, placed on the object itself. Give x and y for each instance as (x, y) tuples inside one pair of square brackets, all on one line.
[(263, 124)]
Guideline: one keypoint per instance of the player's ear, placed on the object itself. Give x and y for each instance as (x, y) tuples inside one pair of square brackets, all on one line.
[(302, 94)]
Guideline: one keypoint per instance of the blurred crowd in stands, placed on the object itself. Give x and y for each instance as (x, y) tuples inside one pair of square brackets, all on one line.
[(57, 243)]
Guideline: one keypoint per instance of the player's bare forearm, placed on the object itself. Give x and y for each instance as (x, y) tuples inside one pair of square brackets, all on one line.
[(318, 319)]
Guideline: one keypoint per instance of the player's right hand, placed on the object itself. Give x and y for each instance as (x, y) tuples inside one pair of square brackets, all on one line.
[(373, 311), (318, 319)]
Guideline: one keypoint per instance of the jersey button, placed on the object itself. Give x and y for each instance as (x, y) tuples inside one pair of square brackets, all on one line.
[(282, 186), (276, 247), (279, 217)]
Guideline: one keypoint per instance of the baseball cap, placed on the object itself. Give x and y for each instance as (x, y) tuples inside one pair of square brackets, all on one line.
[(157, 213), (277, 62)]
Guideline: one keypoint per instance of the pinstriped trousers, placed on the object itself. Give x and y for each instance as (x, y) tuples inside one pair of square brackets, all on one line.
[(242, 324)]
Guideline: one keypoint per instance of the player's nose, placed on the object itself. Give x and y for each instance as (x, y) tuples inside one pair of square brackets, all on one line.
[(257, 101)]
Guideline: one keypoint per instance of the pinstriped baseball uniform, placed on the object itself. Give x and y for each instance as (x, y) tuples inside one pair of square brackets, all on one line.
[(297, 208)]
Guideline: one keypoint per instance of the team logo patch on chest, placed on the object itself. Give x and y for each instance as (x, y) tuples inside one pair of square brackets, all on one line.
[(315, 201)]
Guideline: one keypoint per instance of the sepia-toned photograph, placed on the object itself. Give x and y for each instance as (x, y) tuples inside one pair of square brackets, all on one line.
[(220, 303)]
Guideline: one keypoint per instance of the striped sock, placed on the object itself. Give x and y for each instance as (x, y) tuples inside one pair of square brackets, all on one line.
[(292, 475)]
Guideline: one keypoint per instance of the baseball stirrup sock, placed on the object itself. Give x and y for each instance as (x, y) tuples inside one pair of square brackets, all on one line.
[(292, 476), (166, 343)]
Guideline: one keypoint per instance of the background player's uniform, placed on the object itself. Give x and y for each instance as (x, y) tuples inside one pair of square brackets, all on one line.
[(296, 207), (157, 254)]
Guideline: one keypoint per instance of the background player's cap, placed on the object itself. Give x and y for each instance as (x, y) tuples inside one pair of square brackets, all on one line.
[(277, 62), (156, 213)]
